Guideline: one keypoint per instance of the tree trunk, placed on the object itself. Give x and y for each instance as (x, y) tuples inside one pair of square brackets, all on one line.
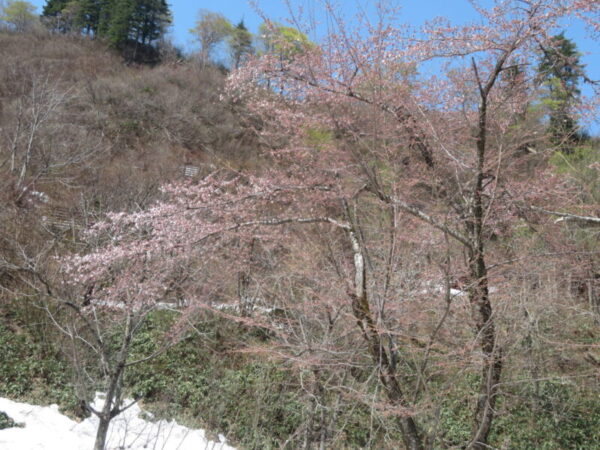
[(102, 433), (492, 364), (108, 410), (111, 406), (387, 376), (479, 296)]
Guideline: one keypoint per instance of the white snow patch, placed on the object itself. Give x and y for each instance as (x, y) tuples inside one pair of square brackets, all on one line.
[(437, 290), (45, 428)]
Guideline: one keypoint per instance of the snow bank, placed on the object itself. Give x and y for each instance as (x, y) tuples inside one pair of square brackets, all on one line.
[(47, 429)]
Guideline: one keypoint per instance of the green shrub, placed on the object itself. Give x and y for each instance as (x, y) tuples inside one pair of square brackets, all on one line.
[(29, 372), (556, 417), (7, 422)]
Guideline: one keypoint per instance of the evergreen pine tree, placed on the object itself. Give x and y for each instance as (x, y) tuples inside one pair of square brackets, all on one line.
[(53, 15), (149, 20), (53, 8), (240, 43), (88, 15), (559, 72), (135, 21), (119, 22)]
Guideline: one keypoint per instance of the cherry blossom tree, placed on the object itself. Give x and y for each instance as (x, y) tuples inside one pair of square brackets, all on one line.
[(456, 135), (173, 256), (412, 176)]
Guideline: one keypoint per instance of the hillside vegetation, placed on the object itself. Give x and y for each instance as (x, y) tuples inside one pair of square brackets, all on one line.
[(298, 254)]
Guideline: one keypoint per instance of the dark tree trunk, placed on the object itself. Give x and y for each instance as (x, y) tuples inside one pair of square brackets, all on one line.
[(479, 296), (102, 434), (492, 364), (387, 373), (112, 406)]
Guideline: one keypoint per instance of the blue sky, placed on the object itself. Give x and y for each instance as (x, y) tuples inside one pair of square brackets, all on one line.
[(413, 11)]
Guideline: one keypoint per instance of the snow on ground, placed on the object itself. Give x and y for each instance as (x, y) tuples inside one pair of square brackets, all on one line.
[(47, 429)]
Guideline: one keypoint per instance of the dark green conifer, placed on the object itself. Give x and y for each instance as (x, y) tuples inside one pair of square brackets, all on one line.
[(559, 72), (240, 43)]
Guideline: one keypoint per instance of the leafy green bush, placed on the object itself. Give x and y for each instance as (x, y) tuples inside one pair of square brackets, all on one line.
[(7, 422), (556, 417), (252, 402), (29, 372)]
